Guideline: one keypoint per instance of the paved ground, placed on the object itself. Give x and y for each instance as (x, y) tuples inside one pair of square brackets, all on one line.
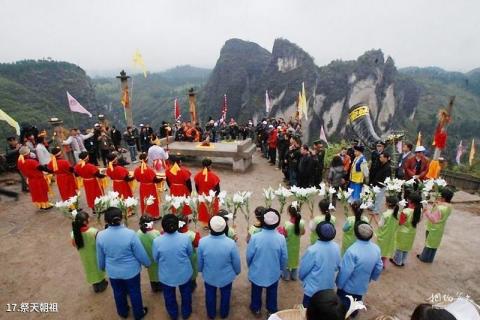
[(39, 265)]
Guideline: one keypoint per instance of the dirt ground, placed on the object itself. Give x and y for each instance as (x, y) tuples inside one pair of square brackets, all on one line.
[(38, 263)]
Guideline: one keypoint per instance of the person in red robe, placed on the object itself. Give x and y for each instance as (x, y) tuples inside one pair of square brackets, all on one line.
[(32, 171), (148, 179), (178, 180), (120, 177), (205, 181), (90, 175), (63, 171)]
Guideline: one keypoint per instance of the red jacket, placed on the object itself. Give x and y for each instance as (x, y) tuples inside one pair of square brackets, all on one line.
[(273, 139), (410, 167)]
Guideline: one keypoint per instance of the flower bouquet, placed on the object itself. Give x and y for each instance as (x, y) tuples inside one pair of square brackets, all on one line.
[(209, 201), (68, 207), (393, 186), (367, 196), (343, 196), (305, 195), (240, 201), (111, 199), (269, 195), (282, 194)]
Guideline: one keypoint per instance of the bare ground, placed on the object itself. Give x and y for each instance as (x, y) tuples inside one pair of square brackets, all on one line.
[(38, 264)]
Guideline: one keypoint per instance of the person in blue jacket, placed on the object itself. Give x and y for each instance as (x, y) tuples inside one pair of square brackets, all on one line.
[(219, 263), (361, 264), (266, 259), (121, 254), (320, 262), (172, 252)]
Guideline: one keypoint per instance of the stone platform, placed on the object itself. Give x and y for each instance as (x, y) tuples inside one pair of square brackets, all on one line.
[(240, 151)]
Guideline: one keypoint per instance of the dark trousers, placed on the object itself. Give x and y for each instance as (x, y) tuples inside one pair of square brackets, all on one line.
[(272, 154), (171, 300), (345, 301), (23, 182), (104, 154), (256, 298), (428, 254), (131, 287), (306, 300), (211, 300)]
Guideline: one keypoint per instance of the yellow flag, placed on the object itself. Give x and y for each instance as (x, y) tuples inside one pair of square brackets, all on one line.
[(304, 102), (299, 105), (471, 157), (5, 117), (138, 61), (419, 139)]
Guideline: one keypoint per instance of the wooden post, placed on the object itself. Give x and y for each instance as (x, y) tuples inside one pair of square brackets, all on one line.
[(192, 100), (125, 97)]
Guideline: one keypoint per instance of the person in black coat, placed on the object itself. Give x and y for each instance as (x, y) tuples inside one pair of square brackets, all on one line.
[(375, 158), (116, 137), (318, 158), (382, 172), (305, 168)]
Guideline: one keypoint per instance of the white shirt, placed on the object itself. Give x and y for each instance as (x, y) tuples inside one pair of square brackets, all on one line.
[(43, 155), (156, 153)]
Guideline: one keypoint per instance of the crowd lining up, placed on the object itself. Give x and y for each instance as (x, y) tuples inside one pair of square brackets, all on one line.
[(175, 256)]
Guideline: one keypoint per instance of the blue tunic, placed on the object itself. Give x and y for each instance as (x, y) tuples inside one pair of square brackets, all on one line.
[(318, 267), (172, 252), (266, 257), (120, 252), (218, 260), (361, 264)]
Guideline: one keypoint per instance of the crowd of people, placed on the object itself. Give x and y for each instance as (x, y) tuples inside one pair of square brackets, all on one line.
[(175, 255)]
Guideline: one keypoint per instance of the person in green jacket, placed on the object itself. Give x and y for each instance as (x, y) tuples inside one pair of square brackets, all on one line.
[(387, 229), (293, 230), (147, 234), (409, 218), (231, 233), (257, 225), (349, 226), (84, 239), (194, 236), (436, 225), (324, 206)]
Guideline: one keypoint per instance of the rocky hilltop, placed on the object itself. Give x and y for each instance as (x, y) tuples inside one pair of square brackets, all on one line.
[(244, 71)]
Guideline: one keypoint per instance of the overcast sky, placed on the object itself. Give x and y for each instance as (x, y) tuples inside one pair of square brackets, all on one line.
[(101, 35)]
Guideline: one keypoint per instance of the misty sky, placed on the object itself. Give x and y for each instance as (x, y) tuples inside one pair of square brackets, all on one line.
[(101, 35)]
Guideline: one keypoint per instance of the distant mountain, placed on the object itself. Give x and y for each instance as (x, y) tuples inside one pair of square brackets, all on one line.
[(33, 91), (152, 97), (244, 71), (436, 86), (409, 98)]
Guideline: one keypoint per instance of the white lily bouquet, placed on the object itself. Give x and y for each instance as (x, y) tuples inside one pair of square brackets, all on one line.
[(393, 186), (128, 206), (343, 196), (192, 202), (240, 201), (268, 195), (430, 189), (326, 191), (282, 194), (367, 196), (174, 202), (305, 195), (209, 201), (68, 207)]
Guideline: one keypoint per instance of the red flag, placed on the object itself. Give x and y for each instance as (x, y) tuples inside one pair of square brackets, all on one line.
[(224, 108), (176, 110)]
